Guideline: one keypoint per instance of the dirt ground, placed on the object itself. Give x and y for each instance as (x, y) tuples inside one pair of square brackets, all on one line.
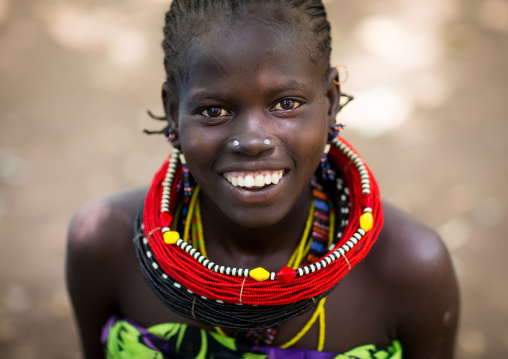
[(430, 116)]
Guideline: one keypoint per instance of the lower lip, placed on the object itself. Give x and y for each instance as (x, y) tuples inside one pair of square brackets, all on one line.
[(256, 195)]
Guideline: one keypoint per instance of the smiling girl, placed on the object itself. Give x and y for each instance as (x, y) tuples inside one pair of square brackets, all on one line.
[(263, 234)]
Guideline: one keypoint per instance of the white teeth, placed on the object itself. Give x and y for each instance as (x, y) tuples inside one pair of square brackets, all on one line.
[(275, 178), (268, 179), (249, 181), (258, 179)]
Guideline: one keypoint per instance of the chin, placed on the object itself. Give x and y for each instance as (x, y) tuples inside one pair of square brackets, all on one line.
[(256, 218)]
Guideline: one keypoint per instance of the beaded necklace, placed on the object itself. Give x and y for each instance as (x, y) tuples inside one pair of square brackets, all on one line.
[(193, 286), (313, 242)]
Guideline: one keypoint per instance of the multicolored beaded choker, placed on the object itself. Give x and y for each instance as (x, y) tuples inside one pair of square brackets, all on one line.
[(249, 299), (317, 237)]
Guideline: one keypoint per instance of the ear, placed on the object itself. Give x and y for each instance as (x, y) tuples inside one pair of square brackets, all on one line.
[(333, 97), (170, 104)]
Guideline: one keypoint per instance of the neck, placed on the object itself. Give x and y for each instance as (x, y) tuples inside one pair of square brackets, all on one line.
[(269, 247)]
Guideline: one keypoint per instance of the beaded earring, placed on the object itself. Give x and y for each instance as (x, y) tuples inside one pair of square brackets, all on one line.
[(187, 187), (326, 170), (171, 136), (336, 128)]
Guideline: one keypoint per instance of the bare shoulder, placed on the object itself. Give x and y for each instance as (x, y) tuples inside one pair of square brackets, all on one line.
[(99, 248), (409, 245), (96, 225), (100, 234), (413, 263)]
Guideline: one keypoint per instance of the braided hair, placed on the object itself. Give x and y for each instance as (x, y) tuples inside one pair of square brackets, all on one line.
[(189, 20)]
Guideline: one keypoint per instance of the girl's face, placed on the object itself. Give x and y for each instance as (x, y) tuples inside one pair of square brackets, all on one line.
[(254, 105)]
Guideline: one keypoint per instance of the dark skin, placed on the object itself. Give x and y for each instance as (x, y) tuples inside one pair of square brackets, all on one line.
[(404, 289)]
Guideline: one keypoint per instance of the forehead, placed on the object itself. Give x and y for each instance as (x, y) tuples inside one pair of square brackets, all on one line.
[(247, 47)]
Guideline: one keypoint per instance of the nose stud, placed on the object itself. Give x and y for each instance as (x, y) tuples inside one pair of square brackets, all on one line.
[(236, 143)]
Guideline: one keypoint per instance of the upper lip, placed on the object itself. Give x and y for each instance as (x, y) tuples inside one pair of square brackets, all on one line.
[(252, 167)]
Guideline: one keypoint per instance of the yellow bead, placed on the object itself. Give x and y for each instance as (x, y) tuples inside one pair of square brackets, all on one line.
[(366, 221), (170, 237), (259, 274)]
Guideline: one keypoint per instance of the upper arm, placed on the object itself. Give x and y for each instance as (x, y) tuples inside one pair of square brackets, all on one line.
[(428, 325), (90, 273), (426, 291)]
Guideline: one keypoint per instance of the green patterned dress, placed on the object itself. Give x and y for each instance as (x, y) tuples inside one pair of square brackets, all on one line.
[(122, 339)]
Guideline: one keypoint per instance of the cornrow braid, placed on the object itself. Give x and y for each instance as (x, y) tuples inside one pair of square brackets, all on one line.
[(165, 131), (188, 19)]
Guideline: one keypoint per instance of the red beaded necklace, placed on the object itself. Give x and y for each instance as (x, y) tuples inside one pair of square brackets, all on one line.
[(187, 267)]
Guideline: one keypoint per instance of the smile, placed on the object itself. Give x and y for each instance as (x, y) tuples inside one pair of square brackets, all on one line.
[(256, 180)]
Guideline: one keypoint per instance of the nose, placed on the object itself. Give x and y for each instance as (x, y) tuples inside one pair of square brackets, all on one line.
[(251, 147), (253, 136)]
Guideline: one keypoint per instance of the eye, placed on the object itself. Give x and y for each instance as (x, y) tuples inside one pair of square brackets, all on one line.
[(287, 104), (215, 112)]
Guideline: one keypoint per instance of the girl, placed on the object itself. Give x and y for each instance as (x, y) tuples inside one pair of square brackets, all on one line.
[(262, 235)]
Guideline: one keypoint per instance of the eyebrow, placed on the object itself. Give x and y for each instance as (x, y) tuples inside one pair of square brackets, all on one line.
[(289, 86), (201, 95)]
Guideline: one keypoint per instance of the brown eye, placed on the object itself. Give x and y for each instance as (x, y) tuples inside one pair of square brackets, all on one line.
[(214, 112), (287, 104)]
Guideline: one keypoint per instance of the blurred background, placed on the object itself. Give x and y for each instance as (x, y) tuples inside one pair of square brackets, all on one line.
[(430, 116)]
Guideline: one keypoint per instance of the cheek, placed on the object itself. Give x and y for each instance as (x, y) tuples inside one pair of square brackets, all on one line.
[(197, 145), (308, 140), (202, 146)]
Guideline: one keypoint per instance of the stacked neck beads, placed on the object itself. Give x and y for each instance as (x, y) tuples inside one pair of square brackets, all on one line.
[(286, 274), (235, 298)]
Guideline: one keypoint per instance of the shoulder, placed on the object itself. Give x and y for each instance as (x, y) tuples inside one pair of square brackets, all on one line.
[(98, 231), (405, 243), (94, 227), (413, 263)]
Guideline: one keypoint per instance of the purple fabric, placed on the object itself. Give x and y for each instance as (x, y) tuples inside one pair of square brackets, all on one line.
[(105, 329), (151, 340), (278, 353)]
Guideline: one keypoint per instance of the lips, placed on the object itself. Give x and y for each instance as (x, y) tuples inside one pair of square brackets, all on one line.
[(254, 180)]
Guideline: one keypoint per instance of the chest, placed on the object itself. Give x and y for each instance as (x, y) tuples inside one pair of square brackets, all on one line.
[(357, 311)]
